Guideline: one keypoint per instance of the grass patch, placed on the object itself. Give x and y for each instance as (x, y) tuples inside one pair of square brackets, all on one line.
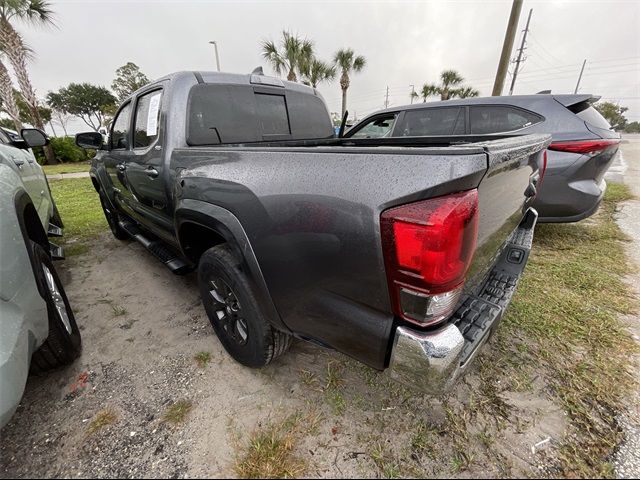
[(269, 453), (66, 168), (118, 311), (81, 212), (566, 311), (202, 359), (177, 412), (102, 419)]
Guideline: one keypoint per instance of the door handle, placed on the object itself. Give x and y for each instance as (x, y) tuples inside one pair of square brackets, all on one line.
[(121, 167), (17, 161), (152, 172)]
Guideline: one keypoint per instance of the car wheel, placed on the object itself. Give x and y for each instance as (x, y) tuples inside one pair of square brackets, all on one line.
[(112, 219), (63, 344), (234, 311)]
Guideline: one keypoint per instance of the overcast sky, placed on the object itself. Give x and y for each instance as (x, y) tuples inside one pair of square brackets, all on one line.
[(404, 43)]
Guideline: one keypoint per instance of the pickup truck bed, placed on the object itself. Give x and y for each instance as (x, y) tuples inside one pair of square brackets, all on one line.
[(306, 220)]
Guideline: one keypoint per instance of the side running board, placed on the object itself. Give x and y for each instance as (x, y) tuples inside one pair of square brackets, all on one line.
[(158, 248), (56, 252), (54, 231)]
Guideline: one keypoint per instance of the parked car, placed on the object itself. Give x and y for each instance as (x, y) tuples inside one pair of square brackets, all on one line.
[(582, 150), (399, 257), (39, 331)]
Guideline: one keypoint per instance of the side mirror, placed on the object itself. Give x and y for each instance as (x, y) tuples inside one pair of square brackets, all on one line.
[(91, 140), (34, 137)]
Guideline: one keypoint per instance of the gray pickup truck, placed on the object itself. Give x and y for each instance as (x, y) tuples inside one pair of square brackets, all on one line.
[(402, 253)]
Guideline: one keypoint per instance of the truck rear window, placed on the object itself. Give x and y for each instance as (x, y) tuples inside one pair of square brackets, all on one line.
[(223, 113), (272, 114)]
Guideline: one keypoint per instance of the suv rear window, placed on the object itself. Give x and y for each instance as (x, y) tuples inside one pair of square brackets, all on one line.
[(593, 117), (500, 118)]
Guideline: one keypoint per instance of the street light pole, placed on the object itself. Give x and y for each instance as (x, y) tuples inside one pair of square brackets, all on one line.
[(215, 46)]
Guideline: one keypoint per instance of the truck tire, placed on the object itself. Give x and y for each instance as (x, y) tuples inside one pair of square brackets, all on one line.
[(234, 311), (63, 345), (112, 218)]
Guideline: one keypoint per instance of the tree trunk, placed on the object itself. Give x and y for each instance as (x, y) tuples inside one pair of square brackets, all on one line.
[(8, 98), (292, 76), (344, 84), (344, 102), (16, 51)]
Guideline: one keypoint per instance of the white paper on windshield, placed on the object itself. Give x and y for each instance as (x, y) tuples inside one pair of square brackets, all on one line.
[(152, 116)]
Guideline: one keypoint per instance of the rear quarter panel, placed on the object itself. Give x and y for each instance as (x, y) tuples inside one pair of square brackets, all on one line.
[(312, 217)]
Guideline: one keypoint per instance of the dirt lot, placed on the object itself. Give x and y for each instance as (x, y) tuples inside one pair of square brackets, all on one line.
[(141, 328), (155, 395)]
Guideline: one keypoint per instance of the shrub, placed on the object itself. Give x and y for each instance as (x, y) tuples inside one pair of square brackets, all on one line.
[(65, 150)]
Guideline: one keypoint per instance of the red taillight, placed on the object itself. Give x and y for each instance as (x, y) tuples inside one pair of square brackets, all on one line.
[(428, 248), (583, 146)]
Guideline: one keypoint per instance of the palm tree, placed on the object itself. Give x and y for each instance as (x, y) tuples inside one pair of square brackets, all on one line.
[(293, 56), (465, 92), (347, 61), (428, 91), (7, 97), (316, 71), (17, 52), (449, 79)]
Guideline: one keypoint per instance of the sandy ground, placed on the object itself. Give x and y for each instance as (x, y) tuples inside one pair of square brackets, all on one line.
[(141, 328), (140, 362)]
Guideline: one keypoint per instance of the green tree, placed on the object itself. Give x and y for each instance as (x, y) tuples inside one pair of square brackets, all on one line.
[(128, 79), (316, 71), (37, 12), (633, 127), (347, 63), (449, 87), (91, 103), (292, 57), (613, 113)]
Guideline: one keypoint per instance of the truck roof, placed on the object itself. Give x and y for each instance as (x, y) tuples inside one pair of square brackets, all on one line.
[(239, 79)]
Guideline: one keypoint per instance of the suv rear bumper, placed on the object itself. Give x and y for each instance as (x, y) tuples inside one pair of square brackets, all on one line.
[(431, 361)]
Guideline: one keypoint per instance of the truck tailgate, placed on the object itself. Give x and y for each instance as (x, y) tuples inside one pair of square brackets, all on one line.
[(505, 194)]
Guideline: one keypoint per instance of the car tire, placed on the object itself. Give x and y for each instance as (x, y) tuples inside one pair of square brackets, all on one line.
[(63, 344), (234, 311), (112, 219)]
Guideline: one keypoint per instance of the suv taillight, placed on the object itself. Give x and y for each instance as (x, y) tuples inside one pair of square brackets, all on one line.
[(428, 247), (583, 146)]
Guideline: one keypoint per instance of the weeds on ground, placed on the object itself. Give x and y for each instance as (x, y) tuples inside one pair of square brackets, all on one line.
[(270, 450), (102, 419), (202, 359), (177, 412), (566, 310), (118, 310)]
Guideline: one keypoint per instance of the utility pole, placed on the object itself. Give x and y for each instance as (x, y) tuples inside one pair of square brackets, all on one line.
[(520, 52), (413, 92), (386, 98), (215, 45), (580, 77), (507, 46)]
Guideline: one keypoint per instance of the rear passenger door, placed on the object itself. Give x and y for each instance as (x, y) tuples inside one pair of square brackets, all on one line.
[(145, 166)]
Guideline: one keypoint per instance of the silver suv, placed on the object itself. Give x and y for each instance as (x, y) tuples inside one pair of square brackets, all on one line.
[(39, 331)]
